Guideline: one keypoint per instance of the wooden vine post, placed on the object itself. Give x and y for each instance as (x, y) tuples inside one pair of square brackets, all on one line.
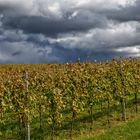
[(27, 90), (123, 100)]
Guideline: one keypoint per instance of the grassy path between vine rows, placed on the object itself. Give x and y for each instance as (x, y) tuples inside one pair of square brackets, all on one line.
[(125, 131), (129, 131)]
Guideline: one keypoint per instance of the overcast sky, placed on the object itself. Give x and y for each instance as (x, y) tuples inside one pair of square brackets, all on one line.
[(50, 31)]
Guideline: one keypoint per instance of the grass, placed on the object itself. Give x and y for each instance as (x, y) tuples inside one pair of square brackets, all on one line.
[(128, 131)]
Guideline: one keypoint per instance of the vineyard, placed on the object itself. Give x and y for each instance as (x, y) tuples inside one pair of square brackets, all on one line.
[(49, 99)]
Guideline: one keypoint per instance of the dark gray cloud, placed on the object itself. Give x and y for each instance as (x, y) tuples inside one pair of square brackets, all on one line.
[(59, 31), (51, 27)]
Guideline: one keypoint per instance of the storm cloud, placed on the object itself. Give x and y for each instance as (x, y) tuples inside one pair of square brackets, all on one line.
[(54, 31)]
